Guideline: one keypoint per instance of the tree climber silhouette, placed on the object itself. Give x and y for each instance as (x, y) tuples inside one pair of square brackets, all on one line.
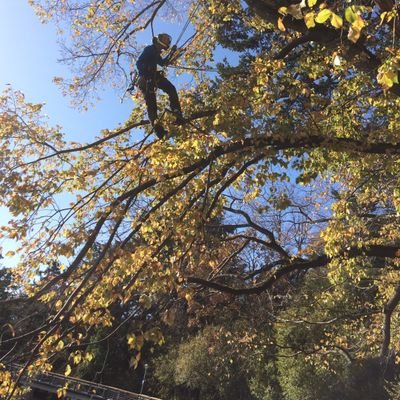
[(150, 79)]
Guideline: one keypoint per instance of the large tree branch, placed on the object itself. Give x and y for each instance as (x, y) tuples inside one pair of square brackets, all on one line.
[(116, 133), (273, 244), (298, 265), (268, 11), (313, 141), (388, 311)]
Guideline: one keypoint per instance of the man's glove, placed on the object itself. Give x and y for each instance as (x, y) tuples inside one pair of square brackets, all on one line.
[(170, 55), (175, 54)]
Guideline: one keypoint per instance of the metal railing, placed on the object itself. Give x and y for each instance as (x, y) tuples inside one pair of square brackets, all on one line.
[(78, 389)]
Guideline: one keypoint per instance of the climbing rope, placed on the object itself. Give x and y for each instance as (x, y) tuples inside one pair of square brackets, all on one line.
[(189, 40), (187, 23), (152, 28), (193, 68)]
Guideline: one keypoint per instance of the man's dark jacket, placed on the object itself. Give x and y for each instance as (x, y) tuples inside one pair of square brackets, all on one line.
[(148, 60)]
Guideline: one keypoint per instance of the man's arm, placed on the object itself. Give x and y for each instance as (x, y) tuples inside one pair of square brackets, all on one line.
[(166, 60)]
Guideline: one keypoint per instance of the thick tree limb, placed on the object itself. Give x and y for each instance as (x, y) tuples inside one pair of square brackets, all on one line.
[(261, 229), (119, 132), (385, 5), (388, 311), (322, 34), (268, 11), (298, 265)]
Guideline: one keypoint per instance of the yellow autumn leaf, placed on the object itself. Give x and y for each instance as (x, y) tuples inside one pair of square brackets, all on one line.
[(281, 26), (359, 23), (67, 370), (60, 392), (60, 345), (283, 10), (77, 357), (145, 301), (387, 79), (353, 34), (336, 21), (58, 304), (309, 20), (382, 17), (131, 339), (355, 29), (134, 361)]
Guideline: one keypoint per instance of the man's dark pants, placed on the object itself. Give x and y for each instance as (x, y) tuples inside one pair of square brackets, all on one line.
[(148, 88)]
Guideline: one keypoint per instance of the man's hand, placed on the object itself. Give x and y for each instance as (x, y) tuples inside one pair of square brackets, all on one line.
[(175, 54)]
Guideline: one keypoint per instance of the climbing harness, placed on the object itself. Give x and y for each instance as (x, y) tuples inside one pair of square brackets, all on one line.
[(134, 82)]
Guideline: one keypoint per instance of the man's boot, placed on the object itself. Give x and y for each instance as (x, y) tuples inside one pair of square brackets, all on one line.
[(179, 120), (159, 131)]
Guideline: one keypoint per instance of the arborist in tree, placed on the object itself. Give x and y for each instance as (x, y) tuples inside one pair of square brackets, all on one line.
[(150, 79)]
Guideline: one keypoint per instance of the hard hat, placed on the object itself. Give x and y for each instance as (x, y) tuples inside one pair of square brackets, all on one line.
[(164, 40)]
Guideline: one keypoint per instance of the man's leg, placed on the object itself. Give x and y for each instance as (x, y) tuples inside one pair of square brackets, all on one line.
[(148, 89), (166, 86)]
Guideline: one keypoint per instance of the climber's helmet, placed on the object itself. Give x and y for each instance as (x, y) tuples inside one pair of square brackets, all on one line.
[(163, 40)]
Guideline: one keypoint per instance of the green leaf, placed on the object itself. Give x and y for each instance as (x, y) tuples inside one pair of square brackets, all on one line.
[(323, 16), (350, 15)]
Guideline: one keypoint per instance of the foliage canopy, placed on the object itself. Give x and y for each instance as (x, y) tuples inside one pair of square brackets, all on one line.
[(293, 170)]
